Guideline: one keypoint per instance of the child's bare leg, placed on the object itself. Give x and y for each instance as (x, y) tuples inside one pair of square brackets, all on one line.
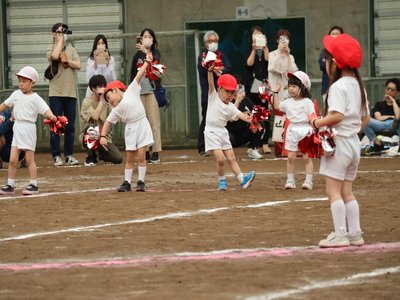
[(30, 162), (230, 156), (141, 157), (220, 160), (12, 165), (308, 164), (130, 159), (291, 162)]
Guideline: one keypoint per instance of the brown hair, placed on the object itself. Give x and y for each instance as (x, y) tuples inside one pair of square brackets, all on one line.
[(281, 32)]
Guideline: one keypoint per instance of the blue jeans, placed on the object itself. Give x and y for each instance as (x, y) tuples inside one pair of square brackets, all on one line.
[(375, 126), (63, 106)]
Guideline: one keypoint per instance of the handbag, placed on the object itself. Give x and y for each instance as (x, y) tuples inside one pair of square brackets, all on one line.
[(161, 95), (51, 70)]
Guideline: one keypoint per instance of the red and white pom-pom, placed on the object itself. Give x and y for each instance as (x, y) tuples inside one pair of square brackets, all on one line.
[(319, 143), (154, 71), (57, 127), (211, 59), (265, 93), (91, 138), (259, 113)]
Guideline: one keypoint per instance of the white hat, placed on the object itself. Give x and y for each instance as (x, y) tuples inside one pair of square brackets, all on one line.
[(303, 77), (28, 72)]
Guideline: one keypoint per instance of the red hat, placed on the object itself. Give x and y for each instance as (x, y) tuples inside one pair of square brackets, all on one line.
[(345, 49), (227, 82), (116, 84)]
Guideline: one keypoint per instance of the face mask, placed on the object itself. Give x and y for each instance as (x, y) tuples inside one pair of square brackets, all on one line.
[(213, 47), (147, 43), (101, 47), (65, 37)]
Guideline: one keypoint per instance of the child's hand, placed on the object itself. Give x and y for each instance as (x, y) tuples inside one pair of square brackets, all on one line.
[(149, 56)]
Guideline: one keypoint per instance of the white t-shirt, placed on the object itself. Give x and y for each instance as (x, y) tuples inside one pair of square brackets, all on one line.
[(297, 111), (345, 97), (218, 112), (26, 107), (130, 108)]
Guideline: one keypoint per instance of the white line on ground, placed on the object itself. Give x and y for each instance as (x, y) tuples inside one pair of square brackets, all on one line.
[(175, 215), (350, 280)]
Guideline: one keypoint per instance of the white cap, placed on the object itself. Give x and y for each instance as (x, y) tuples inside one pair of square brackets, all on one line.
[(28, 72), (303, 77)]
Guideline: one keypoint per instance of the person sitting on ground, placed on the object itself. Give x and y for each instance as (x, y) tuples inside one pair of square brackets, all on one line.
[(6, 136), (239, 132), (385, 114), (94, 113)]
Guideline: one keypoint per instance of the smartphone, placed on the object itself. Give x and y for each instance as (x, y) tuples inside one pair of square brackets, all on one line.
[(260, 41), (283, 40), (240, 88), (138, 39)]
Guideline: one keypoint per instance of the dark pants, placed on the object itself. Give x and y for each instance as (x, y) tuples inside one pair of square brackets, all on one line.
[(112, 154), (265, 124), (63, 106), (201, 145), (246, 136)]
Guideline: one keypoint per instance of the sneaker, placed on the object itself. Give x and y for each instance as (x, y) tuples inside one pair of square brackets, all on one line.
[(154, 159), (222, 185), (356, 239), (140, 187), (7, 190), (125, 187), (307, 185), (254, 154), (266, 149), (31, 189), (70, 160), (57, 161), (248, 180), (334, 241), (290, 184), (89, 162), (203, 153)]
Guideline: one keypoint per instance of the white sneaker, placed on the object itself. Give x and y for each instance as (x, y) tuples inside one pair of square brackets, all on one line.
[(70, 160), (307, 185), (333, 241), (254, 154), (57, 161), (356, 239), (290, 184)]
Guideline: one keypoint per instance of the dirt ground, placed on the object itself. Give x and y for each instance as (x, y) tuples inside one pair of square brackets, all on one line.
[(183, 239)]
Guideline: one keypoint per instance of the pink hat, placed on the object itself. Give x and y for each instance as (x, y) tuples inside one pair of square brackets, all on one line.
[(345, 49), (303, 77), (227, 82), (29, 73)]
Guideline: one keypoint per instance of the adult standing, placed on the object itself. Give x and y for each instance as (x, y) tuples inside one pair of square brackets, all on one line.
[(334, 31), (62, 92), (211, 40), (100, 61), (257, 73), (146, 43)]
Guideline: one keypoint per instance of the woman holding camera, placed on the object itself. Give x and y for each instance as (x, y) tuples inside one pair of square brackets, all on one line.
[(100, 61), (257, 73), (146, 43), (62, 92)]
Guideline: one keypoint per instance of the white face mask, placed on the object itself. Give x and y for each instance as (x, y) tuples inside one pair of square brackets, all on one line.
[(147, 43), (65, 37), (101, 47), (213, 47)]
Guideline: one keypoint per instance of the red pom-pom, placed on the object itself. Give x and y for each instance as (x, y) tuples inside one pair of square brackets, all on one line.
[(91, 138), (259, 113), (57, 127)]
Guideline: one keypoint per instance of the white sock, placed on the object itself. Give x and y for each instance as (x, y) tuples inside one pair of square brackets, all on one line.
[(290, 176), (33, 181), (338, 210), (309, 178), (353, 216), (240, 177), (222, 178), (11, 182), (141, 173), (128, 175)]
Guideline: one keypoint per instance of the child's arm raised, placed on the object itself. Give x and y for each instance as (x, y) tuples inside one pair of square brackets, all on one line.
[(210, 78), (142, 70)]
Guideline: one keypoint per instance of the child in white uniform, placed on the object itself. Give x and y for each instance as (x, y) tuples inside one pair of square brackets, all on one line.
[(27, 105), (297, 109), (128, 108), (220, 110), (346, 111)]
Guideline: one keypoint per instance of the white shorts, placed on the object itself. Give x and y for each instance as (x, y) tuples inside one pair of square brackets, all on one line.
[(138, 135), (343, 164), (295, 133), (216, 139), (24, 137)]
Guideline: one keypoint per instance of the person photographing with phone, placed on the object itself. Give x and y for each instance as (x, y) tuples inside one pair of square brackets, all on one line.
[(62, 92), (257, 73), (100, 62)]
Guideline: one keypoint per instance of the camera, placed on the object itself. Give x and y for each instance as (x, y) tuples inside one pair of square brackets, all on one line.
[(66, 31), (138, 39)]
